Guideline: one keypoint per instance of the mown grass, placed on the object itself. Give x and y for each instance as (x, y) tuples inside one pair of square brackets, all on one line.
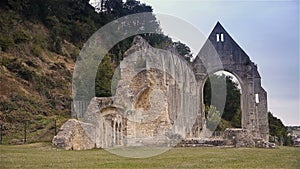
[(43, 155)]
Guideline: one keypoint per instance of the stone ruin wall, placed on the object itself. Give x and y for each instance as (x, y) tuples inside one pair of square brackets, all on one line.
[(148, 102), (230, 57), (158, 96)]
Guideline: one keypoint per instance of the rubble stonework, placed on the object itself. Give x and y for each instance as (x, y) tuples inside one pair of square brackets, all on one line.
[(75, 135), (239, 137)]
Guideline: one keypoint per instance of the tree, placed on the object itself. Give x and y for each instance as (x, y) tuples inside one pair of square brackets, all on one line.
[(213, 117), (111, 9), (232, 105), (103, 78), (277, 129), (134, 6), (114, 7), (276, 126), (231, 116), (183, 50)]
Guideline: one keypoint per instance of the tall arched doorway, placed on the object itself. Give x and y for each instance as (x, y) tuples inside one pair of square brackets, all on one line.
[(231, 113)]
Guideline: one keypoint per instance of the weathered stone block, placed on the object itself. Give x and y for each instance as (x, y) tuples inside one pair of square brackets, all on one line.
[(75, 135)]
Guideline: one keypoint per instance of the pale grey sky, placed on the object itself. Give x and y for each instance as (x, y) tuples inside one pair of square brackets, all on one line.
[(268, 31)]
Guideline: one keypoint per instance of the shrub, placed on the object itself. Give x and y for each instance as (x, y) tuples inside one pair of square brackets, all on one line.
[(25, 73), (36, 50), (13, 65), (4, 61), (16, 66), (20, 37), (51, 21), (32, 64), (6, 42), (213, 117)]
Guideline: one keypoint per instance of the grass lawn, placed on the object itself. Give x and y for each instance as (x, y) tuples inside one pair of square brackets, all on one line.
[(43, 155)]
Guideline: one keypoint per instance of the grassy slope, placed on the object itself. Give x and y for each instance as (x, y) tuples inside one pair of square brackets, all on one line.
[(42, 155), (35, 83)]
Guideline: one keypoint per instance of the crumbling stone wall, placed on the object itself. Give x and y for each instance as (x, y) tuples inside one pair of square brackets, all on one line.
[(157, 99), (147, 101)]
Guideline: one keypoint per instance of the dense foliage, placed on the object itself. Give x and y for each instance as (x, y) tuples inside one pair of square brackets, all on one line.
[(278, 131), (231, 116)]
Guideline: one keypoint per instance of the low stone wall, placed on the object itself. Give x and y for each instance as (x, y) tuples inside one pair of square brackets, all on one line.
[(239, 137), (202, 143), (232, 137)]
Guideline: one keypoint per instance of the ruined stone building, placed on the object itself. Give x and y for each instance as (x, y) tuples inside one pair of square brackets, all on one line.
[(236, 61), (158, 96)]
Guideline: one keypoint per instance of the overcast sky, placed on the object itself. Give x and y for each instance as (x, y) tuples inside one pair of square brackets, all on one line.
[(268, 31)]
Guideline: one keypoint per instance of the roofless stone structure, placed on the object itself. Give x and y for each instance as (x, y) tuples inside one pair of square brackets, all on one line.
[(159, 97), (237, 62)]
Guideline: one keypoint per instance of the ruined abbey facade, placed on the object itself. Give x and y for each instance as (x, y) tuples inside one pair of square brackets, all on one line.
[(236, 61), (159, 100)]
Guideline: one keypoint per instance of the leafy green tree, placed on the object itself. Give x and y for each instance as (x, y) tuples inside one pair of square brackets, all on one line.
[(277, 129), (237, 119), (232, 105), (134, 6), (213, 117), (103, 78), (183, 50), (276, 126), (231, 116)]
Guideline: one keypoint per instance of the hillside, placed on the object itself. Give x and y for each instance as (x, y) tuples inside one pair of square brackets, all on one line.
[(39, 43), (35, 80)]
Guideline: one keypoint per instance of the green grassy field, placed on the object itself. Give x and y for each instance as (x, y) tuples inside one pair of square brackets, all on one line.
[(43, 155)]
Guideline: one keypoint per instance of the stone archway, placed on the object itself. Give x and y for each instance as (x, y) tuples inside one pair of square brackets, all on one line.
[(229, 111), (233, 59)]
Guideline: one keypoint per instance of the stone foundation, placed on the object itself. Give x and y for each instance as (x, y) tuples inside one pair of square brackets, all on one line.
[(232, 137), (238, 137)]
